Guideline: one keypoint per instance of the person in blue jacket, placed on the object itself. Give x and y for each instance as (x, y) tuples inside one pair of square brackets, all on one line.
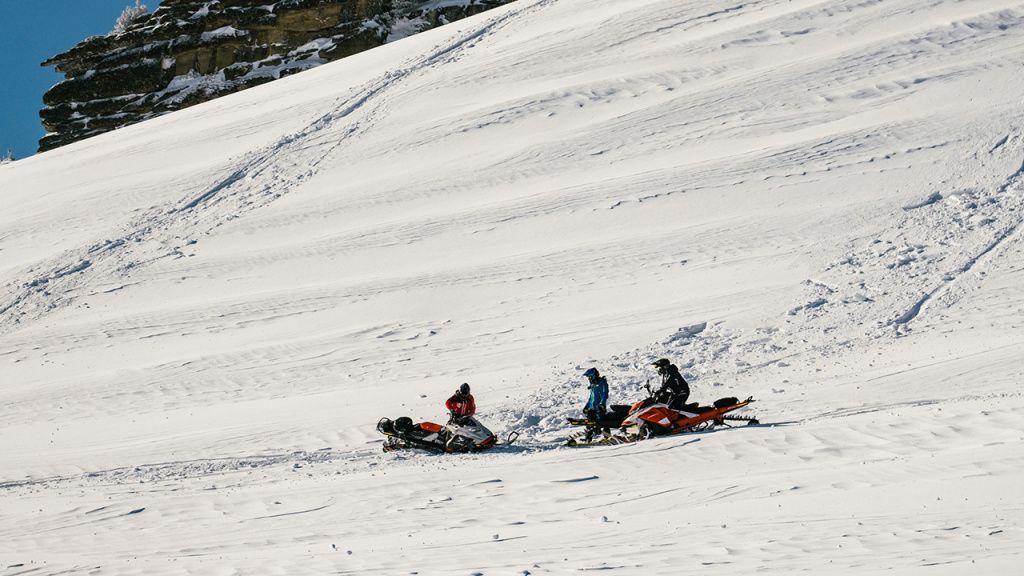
[(596, 404)]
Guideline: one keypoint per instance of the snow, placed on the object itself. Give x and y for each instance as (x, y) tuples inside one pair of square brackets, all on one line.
[(403, 27), (222, 32), (202, 12), (816, 203)]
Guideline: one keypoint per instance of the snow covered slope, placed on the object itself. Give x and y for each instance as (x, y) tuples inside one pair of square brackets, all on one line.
[(817, 203)]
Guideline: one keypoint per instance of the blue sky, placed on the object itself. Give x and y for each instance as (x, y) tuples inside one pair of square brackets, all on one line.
[(30, 32)]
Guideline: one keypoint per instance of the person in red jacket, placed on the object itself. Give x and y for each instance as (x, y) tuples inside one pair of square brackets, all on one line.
[(461, 404)]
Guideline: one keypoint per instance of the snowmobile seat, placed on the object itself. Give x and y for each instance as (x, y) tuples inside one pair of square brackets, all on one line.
[(431, 427), (728, 401), (617, 409)]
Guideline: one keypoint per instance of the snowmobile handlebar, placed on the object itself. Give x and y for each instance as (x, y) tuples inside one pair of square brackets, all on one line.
[(453, 418)]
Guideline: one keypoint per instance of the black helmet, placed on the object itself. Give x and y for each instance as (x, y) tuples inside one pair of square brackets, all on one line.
[(464, 389), (661, 363)]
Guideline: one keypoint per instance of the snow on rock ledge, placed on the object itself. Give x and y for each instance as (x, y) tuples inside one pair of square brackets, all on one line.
[(192, 51)]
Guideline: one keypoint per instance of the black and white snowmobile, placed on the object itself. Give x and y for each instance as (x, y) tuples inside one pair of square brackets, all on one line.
[(465, 434)]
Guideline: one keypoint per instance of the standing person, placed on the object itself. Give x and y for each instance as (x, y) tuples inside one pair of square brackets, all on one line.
[(598, 386), (596, 404), (674, 391), (461, 404)]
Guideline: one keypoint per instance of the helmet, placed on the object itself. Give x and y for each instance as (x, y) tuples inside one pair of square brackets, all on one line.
[(464, 389), (661, 363), (591, 373)]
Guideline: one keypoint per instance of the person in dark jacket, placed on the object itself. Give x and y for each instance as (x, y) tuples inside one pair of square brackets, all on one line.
[(674, 391), (461, 404)]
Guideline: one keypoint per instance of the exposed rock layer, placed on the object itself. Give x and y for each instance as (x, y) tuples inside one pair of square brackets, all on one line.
[(191, 51)]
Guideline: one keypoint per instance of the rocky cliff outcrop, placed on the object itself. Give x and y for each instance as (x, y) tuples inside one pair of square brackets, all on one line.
[(191, 51)]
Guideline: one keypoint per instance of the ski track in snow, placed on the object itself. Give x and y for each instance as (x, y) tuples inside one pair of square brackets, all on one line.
[(817, 203)]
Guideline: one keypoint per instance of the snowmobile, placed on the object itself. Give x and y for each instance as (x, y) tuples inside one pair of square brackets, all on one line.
[(650, 417), (465, 434)]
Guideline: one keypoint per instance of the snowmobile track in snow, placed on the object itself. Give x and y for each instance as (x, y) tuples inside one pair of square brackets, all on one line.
[(264, 176)]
